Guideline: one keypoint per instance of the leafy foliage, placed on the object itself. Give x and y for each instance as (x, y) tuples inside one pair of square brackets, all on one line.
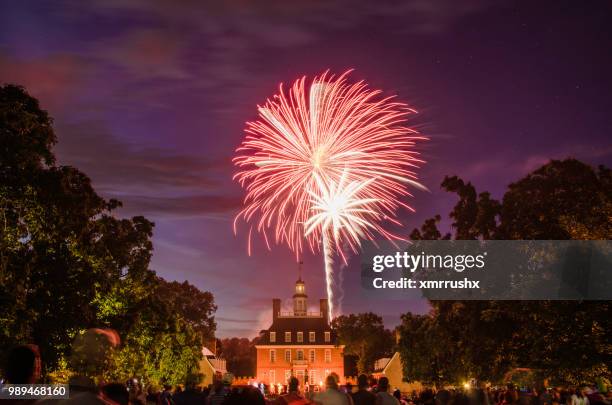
[(567, 341), (365, 337), (68, 264), (240, 355)]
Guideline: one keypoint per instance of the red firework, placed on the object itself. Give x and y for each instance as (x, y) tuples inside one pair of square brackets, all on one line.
[(313, 135)]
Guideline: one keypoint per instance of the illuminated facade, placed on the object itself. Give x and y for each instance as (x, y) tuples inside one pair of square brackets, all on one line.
[(299, 343)]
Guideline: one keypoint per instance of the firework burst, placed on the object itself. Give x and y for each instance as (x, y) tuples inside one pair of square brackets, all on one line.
[(317, 135)]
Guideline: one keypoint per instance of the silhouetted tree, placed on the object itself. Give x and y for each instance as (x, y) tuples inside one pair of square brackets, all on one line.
[(565, 340), (67, 263), (240, 355), (365, 337)]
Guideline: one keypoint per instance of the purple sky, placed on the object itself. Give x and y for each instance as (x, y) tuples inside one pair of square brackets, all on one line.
[(150, 99)]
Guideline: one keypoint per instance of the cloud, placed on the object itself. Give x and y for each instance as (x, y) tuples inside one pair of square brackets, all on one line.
[(212, 44), (234, 320), (54, 79), (146, 53), (187, 206), (114, 163), (511, 168), (147, 180)]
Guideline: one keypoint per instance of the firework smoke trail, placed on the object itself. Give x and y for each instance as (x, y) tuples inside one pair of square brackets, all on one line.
[(318, 131), (340, 215), (328, 259)]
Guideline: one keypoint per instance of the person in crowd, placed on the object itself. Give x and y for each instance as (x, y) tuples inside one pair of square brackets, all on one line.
[(23, 366), (608, 397), (218, 393), (152, 395), (545, 397), (534, 397), (115, 393), (594, 396), (383, 397), (90, 350), (427, 397), (245, 396), (442, 397), (136, 392), (398, 395), (479, 396), (363, 396), (191, 395), (166, 397), (293, 395), (332, 395), (579, 397)]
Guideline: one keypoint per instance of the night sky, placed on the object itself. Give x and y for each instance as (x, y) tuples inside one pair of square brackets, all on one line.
[(150, 100)]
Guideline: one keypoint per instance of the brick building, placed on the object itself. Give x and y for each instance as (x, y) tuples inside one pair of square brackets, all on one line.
[(299, 343)]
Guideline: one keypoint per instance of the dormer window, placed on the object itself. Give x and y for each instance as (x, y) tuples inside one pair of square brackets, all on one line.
[(300, 337), (311, 337), (287, 337), (272, 337), (327, 337)]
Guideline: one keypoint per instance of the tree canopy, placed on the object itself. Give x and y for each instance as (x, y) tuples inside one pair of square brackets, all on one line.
[(240, 355), (566, 340), (365, 337), (68, 263)]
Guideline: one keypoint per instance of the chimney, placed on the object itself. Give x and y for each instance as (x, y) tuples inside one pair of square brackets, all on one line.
[(276, 306), (324, 309)]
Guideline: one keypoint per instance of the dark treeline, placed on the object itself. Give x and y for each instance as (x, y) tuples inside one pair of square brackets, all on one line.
[(68, 263), (567, 342)]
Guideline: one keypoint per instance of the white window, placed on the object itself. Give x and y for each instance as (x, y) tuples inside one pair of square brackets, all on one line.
[(272, 337), (300, 354), (272, 376), (312, 378), (300, 337), (311, 355), (327, 355), (287, 376), (311, 337), (272, 355), (288, 356), (287, 337), (327, 337)]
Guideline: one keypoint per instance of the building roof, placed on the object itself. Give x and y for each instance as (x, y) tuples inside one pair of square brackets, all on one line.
[(381, 365), (216, 365), (295, 324)]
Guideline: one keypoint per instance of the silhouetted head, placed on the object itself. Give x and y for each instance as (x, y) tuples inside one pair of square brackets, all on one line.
[(245, 396), (362, 381), (23, 365), (331, 382), (293, 384), (383, 384), (117, 392)]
